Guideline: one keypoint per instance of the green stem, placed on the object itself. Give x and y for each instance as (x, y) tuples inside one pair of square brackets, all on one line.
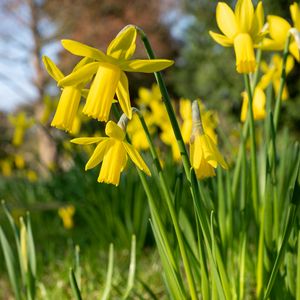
[(245, 132), (168, 198), (255, 194), (282, 82)]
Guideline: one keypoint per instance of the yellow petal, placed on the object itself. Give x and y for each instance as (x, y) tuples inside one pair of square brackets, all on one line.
[(196, 152), (221, 39), (295, 13), (102, 91), (146, 65), (278, 29), (123, 95), (115, 131), (271, 45), (123, 46), (226, 20), (113, 163), (80, 49), (244, 51), (244, 12), (258, 20), (289, 64), (52, 69), (67, 108), (88, 140), (294, 50), (82, 62), (80, 75), (98, 154), (136, 158)]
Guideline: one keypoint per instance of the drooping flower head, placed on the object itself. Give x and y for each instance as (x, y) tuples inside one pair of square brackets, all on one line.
[(242, 29), (68, 104), (279, 29), (204, 154), (109, 70), (258, 105), (112, 151)]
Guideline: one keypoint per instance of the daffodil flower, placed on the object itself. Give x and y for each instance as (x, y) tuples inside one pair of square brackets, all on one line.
[(279, 29), (258, 105), (112, 151), (272, 74), (109, 70), (21, 123), (204, 154), (242, 29), (66, 213), (70, 98)]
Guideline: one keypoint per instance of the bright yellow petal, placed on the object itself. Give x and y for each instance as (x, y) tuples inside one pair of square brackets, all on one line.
[(196, 152), (136, 158), (123, 46), (67, 109), (278, 29), (113, 163), (221, 39), (295, 13), (115, 131), (294, 50), (258, 21), (123, 95), (289, 64), (98, 154), (244, 12), (244, 109), (80, 75), (82, 62), (102, 91), (226, 20), (80, 49), (52, 69), (244, 51), (146, 65), (88, 140)]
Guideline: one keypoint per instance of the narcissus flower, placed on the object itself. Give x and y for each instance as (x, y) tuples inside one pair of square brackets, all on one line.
[(279, 29), (66, 213), (204, 154), (258, 105), (21, 123), (112, 151), (242, 29), (110, 68), (272, 74), (70, 98)]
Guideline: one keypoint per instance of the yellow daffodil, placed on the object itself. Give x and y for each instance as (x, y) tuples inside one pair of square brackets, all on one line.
[(66, 213), (272, 74), (147, 96), (204, 154), (242, 29), (112, 151), (6, 167), (258, 105), (110, 68), (21, 123), (48, 108), (279, 29), (32, 176), (68, 104), (19, 161)]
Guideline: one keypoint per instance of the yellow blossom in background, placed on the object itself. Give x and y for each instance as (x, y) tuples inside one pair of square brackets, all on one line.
[(109, 70), (112, 151), (68, 104), (19, 161), (137, 134), (147, 96), (279, 29), (21, 124), (32, 176), (49, 106), (242, 29), (6, 167), (258, 105), (272, 74), (67, 213)]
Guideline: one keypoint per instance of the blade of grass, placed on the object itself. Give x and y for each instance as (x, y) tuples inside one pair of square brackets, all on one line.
[(109, 274)]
